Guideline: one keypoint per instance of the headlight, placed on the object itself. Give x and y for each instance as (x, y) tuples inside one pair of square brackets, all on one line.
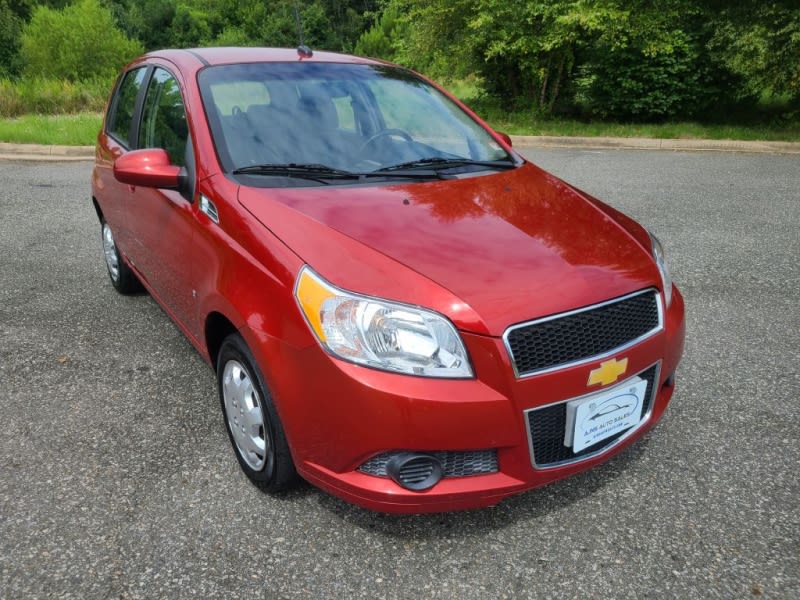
[(379, 333), (666, 278)]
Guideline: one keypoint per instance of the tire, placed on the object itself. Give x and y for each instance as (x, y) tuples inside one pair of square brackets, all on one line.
[(252, 422), (122, 277)]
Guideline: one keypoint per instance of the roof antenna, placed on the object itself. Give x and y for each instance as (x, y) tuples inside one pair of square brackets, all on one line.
[(303, 51)]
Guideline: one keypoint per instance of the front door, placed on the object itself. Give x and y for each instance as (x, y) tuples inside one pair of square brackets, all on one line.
[(164, 219)]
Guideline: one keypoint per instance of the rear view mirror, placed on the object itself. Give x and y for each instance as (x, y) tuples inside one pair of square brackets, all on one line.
[(147, 168)]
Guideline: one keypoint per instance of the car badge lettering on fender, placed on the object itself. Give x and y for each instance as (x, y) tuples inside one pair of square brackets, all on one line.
[(608, 372)]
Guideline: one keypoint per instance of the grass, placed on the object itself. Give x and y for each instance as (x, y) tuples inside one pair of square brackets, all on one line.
[(51, 96), (69, 130), (521, 124), (81, 129), (764, 124)]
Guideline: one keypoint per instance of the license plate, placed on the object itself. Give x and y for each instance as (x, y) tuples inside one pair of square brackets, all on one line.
[(594, 418)]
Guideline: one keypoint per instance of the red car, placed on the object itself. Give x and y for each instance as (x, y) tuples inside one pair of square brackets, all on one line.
[(398, 307)]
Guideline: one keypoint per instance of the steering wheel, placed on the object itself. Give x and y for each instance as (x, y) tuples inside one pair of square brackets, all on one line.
[(384, 133)]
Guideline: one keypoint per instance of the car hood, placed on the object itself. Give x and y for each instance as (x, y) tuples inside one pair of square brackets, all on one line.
[(505, 247)]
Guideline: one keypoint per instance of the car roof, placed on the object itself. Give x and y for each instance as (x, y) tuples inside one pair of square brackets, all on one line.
[(225, 56)]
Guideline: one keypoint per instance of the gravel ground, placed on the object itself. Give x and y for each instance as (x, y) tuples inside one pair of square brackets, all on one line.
[(117, 479)]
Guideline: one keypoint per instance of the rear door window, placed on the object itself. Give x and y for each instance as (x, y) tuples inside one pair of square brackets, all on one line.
[(124, 106)]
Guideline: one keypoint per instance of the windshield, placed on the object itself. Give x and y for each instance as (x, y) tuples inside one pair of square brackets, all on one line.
[(353, 118)]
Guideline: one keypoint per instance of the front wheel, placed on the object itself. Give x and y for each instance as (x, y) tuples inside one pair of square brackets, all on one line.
[(251, 419)]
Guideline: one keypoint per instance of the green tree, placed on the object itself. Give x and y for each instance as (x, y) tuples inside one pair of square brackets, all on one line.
[(277, 26), (78, 42), (349, 19), (383, 39), (630, 59), (529, 49), (652, 63), (327, 24), (13, 14), (760, 41), (149, 21), (635, 81), (191, 26), (524, 51)]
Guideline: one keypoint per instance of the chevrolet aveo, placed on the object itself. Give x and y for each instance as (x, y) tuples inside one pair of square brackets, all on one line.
[(399, 308)]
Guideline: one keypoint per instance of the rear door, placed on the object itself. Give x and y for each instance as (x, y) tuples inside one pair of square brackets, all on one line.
[(119, 136)]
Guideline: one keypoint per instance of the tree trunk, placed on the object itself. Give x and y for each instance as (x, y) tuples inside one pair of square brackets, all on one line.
[(513, 82), (557, 85), (543, 93)]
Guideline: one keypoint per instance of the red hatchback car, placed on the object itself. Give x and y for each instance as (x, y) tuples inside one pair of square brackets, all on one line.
[(399, 308)]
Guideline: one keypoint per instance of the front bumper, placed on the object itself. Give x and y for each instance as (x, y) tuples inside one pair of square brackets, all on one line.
[(338, 415)]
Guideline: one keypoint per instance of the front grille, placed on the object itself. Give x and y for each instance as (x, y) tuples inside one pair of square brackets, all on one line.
[(454, 464), (547, 425), (583, 335)]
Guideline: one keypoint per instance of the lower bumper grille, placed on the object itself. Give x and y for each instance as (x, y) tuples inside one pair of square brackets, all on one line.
[(454, 463), (547, 427)]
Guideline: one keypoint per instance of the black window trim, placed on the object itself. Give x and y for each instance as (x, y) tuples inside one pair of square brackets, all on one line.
[(137, 107)]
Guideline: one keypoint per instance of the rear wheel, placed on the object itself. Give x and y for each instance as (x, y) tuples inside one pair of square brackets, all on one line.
[(122, 277), (251, 419)]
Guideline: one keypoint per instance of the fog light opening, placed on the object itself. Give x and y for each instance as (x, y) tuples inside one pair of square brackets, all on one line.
[(415, 472)]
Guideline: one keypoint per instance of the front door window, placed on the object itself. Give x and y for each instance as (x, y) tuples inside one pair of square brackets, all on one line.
[(164, 118)]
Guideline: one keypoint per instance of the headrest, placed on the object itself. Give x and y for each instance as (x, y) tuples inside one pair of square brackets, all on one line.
[(319, 110)]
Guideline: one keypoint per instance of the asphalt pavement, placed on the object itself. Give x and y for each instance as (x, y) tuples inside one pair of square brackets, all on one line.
[(117, 479)]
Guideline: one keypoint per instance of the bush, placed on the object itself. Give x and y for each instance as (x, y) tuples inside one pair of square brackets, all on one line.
[(52, 96), (77, 43), (656, 80), (631, 83)]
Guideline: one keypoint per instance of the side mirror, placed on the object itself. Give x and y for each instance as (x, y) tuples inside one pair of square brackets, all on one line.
[(147, 168), (505, 137)]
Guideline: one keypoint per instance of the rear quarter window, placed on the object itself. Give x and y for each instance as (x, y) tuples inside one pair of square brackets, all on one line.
[(123, 106)]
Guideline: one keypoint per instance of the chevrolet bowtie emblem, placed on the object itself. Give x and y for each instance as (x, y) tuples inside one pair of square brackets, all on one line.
[(608, 372)]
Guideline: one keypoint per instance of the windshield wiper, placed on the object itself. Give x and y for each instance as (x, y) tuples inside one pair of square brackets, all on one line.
[(319, 172), (435, 162), (293, 169)]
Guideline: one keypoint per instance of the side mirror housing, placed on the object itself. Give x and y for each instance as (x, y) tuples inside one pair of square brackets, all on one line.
[(505, 137), (149, 167)]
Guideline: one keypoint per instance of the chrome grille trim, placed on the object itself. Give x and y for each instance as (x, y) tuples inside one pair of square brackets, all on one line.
[(659, 327)]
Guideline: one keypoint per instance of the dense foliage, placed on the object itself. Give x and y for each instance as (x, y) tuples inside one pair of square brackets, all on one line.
[(621, 59), (13, 15), (78, 42)]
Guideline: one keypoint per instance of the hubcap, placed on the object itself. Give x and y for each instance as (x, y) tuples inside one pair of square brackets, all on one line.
[(110, 251), (243, 412)]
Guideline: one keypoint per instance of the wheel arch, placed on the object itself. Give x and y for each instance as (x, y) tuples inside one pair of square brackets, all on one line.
[(97, 209), (217, 328)]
